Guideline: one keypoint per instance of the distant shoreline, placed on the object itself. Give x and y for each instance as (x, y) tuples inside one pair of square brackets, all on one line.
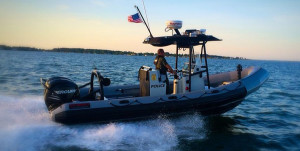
[(103, 51)]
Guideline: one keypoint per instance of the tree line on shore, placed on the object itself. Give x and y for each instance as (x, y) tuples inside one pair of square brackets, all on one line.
[(102, 51)]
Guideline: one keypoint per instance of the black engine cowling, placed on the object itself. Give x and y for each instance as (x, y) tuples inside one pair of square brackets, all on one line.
[(59, 90)]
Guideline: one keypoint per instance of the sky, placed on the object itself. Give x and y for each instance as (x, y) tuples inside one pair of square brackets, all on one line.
[(254, 29)]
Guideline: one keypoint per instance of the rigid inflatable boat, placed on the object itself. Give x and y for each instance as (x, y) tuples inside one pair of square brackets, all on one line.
[(193, 89)]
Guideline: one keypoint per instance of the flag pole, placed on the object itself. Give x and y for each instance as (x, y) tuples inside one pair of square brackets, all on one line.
[(144, 20)]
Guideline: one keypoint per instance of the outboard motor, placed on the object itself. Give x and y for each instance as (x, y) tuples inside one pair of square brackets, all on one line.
[(59, 90)]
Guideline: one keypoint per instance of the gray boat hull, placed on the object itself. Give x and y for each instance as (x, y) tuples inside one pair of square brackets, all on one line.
[(121, 107)]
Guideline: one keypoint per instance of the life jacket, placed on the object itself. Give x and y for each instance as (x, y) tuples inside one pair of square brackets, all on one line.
[(159, 65)]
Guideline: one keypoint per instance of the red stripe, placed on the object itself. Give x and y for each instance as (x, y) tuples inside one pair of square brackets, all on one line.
[(135, 21), (130, 19)]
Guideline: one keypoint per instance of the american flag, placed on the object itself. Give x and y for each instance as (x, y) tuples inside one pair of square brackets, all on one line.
[(135, 18)]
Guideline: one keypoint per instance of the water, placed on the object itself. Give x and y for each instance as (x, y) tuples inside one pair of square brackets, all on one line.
[(266, 120)]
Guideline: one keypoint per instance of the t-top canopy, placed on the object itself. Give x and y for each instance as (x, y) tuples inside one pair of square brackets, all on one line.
[(184, 41)]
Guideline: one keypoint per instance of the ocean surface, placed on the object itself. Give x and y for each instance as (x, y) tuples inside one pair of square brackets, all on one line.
[(268, 119)]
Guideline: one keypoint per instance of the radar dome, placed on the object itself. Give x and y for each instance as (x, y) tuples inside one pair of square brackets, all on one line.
[(174, 24)]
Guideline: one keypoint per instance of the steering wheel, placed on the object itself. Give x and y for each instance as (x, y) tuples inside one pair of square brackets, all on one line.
[(176, 76)]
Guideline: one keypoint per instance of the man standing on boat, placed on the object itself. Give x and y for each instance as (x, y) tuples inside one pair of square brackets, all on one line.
[(162, 65)]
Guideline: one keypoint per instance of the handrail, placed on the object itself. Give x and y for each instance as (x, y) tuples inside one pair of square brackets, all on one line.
[(100, 79)]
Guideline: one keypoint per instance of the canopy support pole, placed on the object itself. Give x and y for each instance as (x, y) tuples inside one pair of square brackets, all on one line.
[(176, 64), (190, 67), (206, 66)]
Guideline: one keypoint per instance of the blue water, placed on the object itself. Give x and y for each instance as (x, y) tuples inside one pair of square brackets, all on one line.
[(266, 120)]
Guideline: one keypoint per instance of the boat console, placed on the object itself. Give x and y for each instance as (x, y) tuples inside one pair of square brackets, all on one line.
[(181, 84), (151, 83)]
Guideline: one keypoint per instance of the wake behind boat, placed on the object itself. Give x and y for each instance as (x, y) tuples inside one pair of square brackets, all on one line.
[(192, 89)]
